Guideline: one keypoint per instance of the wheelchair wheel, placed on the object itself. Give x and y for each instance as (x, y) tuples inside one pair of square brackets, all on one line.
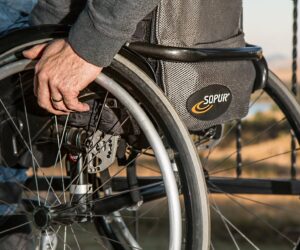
[(109, 178), (251, 166)]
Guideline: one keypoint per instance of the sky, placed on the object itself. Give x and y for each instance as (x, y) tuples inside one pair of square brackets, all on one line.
[(268, 23)]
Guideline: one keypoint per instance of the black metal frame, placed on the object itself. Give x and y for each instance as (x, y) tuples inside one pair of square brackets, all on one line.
[(195, 55), (215, 185), (153, 189)]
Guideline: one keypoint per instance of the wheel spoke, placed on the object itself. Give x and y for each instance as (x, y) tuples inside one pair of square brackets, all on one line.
[(228, 229), (29, 138), (13, 228), (234, 227), (262, 220), (246, 144), (102, 237), (65, 237), (161, 203), (58, 156), (62, 240), (149, 168), (21, 185), (26, 145), (252, 103), (75, 237), (49, 240), (254, 162), (100, 115), (279, 208)]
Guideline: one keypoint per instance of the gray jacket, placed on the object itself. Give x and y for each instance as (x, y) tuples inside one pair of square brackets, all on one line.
[(100, 27)]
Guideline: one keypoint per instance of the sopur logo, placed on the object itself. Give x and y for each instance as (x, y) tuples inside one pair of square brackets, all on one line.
[(218, 98), (210, 102), (201, 108)]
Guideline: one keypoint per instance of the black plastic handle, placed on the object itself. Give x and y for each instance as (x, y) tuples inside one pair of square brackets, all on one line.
[(184, 54)]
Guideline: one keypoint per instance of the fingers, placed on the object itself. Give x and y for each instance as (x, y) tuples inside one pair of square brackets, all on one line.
[(65, 100), (72, 103), (42, 91), (54, 100), (60, 75), (57, 99), (35, 51)]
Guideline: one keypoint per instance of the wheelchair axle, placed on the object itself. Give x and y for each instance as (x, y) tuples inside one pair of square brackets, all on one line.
[(65, 214)]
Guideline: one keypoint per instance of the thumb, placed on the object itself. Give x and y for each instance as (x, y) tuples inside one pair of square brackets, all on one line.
[(35, 51)]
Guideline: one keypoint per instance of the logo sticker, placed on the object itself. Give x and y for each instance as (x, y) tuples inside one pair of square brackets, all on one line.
[(210, 102)]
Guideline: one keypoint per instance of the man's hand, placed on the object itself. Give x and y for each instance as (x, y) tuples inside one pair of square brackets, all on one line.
[(60, 75)]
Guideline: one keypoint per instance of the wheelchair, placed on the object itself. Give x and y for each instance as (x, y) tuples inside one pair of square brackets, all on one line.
[(126, 174)]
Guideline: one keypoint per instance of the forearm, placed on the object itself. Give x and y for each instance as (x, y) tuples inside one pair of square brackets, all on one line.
[(102, 27), (105, 25)]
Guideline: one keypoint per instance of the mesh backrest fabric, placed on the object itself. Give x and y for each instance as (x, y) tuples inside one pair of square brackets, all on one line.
[(204, 24)]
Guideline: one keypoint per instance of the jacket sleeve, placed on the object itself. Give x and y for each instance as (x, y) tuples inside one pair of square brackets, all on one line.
[(105, 25), (56, 11), (102, 26)]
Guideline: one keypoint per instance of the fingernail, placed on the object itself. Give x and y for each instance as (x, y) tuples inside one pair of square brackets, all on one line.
[(87, 108)]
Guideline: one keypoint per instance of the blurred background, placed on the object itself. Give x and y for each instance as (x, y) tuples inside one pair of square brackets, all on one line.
[(268, 23), (249, 221), (269, 222)]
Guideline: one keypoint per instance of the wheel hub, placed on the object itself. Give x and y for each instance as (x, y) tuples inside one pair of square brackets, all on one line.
[(65, 214), (42, 217)]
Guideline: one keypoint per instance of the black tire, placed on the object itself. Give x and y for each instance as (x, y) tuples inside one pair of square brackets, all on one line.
[(285, 100)]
